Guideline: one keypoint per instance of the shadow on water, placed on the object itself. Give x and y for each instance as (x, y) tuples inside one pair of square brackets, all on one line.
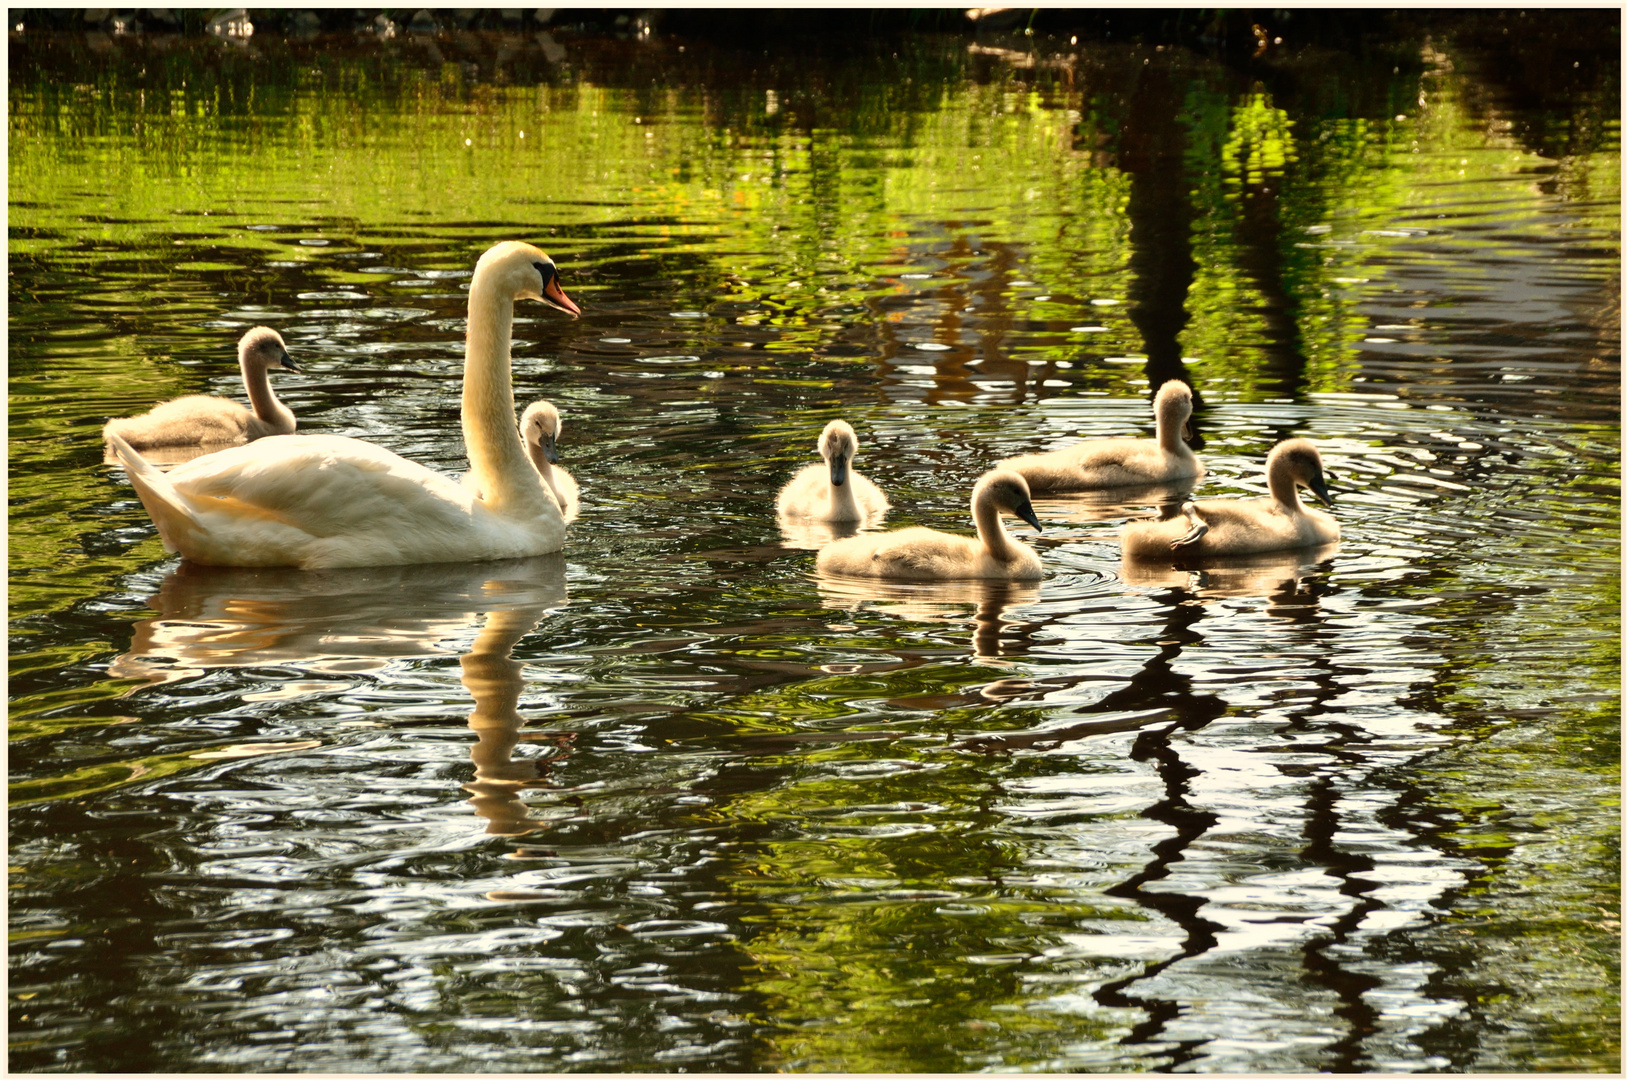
[(995, 632)]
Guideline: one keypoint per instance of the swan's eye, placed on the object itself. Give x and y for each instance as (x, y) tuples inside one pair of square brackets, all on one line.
[(547, 271)]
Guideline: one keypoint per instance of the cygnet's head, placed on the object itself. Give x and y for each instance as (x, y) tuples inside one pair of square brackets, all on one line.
[(1008, 491), (525, 273), (1300, 460), (1172, 406), (262, 347), (539, 427), (838, 445)]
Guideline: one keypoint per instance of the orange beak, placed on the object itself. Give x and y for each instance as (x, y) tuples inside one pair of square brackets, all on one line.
[(554, 296)]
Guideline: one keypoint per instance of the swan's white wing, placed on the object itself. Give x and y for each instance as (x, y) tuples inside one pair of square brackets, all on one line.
[(323, 500), (323, 484)]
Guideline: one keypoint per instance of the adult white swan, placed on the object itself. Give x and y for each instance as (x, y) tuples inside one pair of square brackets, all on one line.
[(1246, 526), (1099, 463), (202, 420), (920, 554), (327, 501)]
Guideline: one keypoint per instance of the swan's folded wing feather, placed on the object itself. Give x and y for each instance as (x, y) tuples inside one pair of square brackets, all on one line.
[(192, 420), (918, 552), (323, 485)]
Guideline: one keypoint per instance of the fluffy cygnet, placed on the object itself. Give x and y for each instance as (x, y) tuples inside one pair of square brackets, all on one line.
[(1246, 526), (540, 427), (1098, 463), (200, 419), (832, 490), (921, 554)]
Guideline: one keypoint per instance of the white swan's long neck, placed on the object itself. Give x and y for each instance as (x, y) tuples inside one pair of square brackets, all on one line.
[(843, 501), (497, 457), (1284, 488), (1170, 423), (264, 403), (991, 532), (545, 469)]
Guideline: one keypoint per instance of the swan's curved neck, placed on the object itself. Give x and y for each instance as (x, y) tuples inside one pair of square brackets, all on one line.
[(1284, 489), (496, 455), (843, 501), (545, 469), (991, 532), (1169, 430), (264, 403)]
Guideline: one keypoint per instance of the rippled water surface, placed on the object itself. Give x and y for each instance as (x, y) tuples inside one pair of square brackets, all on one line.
[(668, 800)]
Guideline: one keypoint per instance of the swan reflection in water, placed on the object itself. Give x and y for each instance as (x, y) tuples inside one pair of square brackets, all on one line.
[(346, 623), (805, 534), (1277, 575), (940, 602), (1114, 504)]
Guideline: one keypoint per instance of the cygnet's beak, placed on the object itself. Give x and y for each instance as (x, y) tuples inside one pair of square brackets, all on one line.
[(838, 470), (554, 296), (1320, 487), (548, 452), (287, 363), (1025, 510)]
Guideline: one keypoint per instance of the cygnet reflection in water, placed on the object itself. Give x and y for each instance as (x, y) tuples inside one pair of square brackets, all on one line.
[(1278, 575), (1114, 504), (986, 605), (804, 534), (347, 625)]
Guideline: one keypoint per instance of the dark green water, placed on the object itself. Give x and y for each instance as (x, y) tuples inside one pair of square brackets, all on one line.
[(668, 801)]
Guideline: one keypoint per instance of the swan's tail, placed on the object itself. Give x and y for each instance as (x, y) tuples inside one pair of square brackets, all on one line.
[(176, 522)]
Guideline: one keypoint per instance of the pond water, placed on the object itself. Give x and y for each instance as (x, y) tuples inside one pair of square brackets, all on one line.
[(668, 800)]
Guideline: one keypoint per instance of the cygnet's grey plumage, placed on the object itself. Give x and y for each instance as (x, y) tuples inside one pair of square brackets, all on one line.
[(539, 428), (831, 490), (921, 554), (539, 431), (1246, 526), (200, 419), (1099, 463)]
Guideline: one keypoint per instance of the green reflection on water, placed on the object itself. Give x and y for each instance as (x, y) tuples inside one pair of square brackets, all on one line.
[(927, 945)]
